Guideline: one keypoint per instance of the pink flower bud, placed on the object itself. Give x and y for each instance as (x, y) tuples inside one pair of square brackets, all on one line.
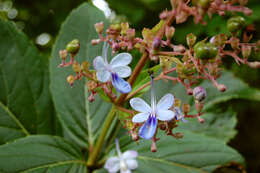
[(199, 93), (99, 27), (95, 41), (221, 87), (169, 32), (156, 43), (91, 98)]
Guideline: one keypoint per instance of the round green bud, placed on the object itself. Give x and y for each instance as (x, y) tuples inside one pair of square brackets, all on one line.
[(205, 50), (201, 50), (236, 23), (213, 50), (204, 3), (73, 46)]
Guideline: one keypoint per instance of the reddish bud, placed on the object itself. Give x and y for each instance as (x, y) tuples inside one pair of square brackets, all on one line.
[(99, 27), (95, 41), (246, 51), (254, 64), (221, 87), (63, 54), (169, 32), (191, 39), (156, 43), (130, 33), (91, 98)]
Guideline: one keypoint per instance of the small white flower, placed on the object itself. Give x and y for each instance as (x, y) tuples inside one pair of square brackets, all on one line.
[(150, 114), (124, 162), (115, 70)]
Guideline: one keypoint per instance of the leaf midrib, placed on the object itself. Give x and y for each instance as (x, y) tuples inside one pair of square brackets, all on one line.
[(56, 164), (15, 119)]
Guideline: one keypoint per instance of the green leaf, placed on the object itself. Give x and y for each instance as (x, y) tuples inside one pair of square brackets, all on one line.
[(194, 153), (217, 124), (81, 120), (25, 101), (40, 154)]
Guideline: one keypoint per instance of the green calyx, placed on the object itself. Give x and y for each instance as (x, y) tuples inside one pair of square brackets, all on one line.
[(73, 46), (234, 24), (205, 50)]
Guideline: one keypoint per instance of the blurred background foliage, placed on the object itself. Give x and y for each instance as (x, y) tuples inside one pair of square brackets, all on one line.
[(41, 21)]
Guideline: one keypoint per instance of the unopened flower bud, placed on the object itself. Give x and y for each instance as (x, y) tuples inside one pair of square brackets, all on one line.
[(91, 98), (76, 67), (73, 46), (84, 66), (116, 27), (169, 32), (234, 43), (99, 27), (201, 120), (91, 85), (246, 51), (156, 43), (254, 64), (191, 39), (95, 41), (189, 91), (177, 103), (124, 28), (130, 33), (162, 126), (70, 79), (186, 108), (199, 93), (179, 48), (63, 54), (135, 136), (221, 87)]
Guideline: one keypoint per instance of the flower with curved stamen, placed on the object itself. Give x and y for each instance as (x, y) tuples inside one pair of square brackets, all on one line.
[(125, 162), (115, 70), (150, 114)]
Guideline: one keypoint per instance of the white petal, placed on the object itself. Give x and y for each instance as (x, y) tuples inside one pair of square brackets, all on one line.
[(126, 171), (165, 115), (99, 63), (131, 163), (122, 71), (141, 117), (121, 59), (166, 102), (130, 154), (140, 105), (103, 75), (112, 164)]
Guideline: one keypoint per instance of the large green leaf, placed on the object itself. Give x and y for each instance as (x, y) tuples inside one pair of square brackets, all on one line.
[(81, 120), (40, 154), (25, 102), (194, 153), (220, 125)]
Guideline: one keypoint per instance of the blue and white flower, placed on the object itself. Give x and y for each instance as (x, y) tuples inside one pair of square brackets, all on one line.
[(150, 114), (115, 70), (125, 162)]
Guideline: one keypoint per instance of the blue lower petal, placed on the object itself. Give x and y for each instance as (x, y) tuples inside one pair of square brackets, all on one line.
[(120, 84), (148, 129)]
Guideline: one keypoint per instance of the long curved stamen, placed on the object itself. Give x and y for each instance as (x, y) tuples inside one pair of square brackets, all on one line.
[(118, 147), (104, 51), (153, 98)]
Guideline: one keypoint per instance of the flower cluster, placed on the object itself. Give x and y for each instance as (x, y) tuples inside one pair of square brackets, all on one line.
[(193, 62)]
